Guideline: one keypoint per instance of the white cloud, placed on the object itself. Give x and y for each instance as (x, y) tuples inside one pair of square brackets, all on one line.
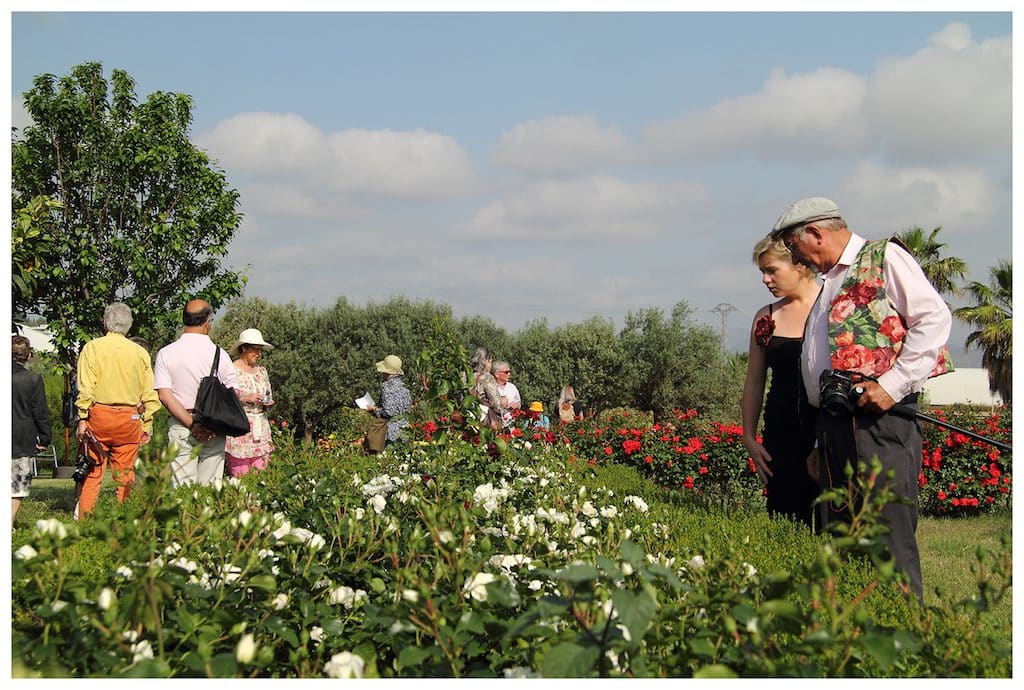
[(795, 115), (411, 165), (597, 207), (562, 144), (292, 199), (950, 99), (888, 199), (274, 148), (265, 144)]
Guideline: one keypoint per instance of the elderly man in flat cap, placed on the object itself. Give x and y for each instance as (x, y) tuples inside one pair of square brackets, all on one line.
[(881, 325)]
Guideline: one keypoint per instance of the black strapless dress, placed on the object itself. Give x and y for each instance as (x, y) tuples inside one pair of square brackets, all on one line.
[(788, 433)]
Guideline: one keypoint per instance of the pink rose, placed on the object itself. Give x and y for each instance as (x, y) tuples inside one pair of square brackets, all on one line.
[(842, 310)]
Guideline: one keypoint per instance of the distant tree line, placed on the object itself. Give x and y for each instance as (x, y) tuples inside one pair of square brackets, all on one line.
[(324, 357)]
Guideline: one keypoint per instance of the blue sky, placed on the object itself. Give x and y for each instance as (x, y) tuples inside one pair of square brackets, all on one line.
[(566, 165)]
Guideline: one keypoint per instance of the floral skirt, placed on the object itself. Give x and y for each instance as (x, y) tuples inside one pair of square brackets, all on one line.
[(236, 467)]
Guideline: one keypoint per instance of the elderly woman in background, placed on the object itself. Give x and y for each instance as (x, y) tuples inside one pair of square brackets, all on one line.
[(776, 338), (485, 387), (252, 451), (395, 399)]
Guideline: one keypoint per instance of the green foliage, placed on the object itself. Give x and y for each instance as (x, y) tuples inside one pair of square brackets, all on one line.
[(421, 568), (992, 316), (115, 203), (943, 272), (323, 359), (32, 235)]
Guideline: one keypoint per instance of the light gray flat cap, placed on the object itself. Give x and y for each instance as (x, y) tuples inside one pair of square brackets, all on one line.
[(805, 211)]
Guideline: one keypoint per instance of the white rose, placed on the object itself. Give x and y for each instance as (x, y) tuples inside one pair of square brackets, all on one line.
[(52, 526), (244, 518), (378, 503), (345, 665), (280, 601), (477, 586), (27, 553), (106, 599), (141, 650), (410, 595), (245, 650)]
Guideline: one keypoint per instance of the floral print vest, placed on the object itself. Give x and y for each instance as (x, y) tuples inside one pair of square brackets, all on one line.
[(865, 332)]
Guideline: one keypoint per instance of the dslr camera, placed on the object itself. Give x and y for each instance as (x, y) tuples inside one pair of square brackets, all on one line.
[(83, 465), (839, 391)]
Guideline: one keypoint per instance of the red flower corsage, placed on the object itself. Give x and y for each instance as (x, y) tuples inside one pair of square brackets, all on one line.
[(763, 330)]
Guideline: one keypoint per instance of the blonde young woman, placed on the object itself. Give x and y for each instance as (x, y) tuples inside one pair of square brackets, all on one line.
[(776, 338)]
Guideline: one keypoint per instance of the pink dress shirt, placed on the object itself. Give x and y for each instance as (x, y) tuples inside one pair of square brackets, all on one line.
[(927, 317), (182, 364)]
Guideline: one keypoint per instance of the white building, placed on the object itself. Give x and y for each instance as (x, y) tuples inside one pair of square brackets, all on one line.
[(961, 386), (39, 337)]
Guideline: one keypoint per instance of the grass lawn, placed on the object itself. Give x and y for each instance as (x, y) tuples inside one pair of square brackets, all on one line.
[(947, 545)]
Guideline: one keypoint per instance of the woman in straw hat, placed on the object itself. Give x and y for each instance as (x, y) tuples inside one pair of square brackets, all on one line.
[(252, 451), (395, 399)]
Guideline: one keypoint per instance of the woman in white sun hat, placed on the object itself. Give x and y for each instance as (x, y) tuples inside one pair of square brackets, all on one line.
[(395, 399), (252, 451)]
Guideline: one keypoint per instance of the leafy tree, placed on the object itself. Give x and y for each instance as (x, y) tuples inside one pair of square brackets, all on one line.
[(480, 331), (942, 272), (535, 358), (31, 237), (673, 363), (992, 315), (144, 217), (591, 359)]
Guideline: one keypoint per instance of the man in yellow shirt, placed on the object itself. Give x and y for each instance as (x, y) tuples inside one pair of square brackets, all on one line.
[(116, 402)]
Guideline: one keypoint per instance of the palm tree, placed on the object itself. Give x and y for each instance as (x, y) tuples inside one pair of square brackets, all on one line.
[(993, 316), (941, 271)]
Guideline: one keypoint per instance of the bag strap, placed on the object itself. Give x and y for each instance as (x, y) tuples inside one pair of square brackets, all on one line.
[(216, 361)]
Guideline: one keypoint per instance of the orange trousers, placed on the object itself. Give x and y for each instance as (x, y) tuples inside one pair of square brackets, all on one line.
[(119, 430)]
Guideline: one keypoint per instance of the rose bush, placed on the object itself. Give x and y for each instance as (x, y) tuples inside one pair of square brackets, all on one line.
[(421, 568), (707, 460), (478, 555)]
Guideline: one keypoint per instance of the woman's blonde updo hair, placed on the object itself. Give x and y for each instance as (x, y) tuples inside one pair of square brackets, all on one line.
[(778, 250)]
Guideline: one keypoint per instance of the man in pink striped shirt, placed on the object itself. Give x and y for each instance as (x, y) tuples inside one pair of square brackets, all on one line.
[(177, 372)]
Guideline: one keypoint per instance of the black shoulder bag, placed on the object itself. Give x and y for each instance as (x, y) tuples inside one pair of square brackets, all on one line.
[(217, 406)]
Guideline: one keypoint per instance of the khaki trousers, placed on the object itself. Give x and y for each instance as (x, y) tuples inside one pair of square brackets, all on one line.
[(190, 467)]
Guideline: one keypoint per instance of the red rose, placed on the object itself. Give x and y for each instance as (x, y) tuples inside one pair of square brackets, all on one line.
[(863, 293), (892, 328), (851, 358), (763, 330), (881, 360)]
